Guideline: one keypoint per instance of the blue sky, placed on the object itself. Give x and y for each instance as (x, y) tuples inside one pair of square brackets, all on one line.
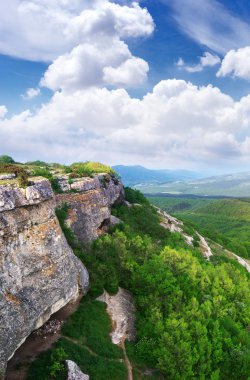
[(62, 63)]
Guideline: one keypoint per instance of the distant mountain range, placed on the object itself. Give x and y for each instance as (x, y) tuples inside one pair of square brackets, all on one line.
[(183, 182), (231, 185), (134, 175)]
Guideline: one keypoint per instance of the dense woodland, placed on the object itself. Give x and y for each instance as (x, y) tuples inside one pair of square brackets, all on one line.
[(192, 315), (226, 221)]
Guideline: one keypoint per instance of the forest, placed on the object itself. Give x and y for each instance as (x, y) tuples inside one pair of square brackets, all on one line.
[(192, 315), (225, 221)]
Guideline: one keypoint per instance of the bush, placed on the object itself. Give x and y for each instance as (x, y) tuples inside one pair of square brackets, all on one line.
[(4, 159), (135, 196), (21, 174), (89, 168), (36, 163)]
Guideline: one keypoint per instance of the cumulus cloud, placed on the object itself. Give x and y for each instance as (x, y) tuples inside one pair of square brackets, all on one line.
[(96, 64), (89, 116), (43, 30), (177, 124), (236, 63), (207, 60), (31, 93)]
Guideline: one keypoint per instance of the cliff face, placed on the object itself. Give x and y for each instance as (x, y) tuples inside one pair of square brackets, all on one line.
[(39, 273), (90, 208)]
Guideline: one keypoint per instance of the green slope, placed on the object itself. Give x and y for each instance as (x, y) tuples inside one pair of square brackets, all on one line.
[(226, 221)]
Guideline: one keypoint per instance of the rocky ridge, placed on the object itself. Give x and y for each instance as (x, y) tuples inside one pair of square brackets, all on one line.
[(90, 204), (39, 273)]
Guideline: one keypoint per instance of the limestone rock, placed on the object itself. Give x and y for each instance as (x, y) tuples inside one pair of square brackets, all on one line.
[(90, 210), (74, 372), (85, 184), (7, 176), (10, 197), (121, 309), (39, 273), (114, 221)]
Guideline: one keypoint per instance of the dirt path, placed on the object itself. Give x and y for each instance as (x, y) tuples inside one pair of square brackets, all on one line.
[(127, 361), (121, 310)]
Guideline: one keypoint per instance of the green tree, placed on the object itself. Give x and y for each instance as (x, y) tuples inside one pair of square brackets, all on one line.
[(4, 159)]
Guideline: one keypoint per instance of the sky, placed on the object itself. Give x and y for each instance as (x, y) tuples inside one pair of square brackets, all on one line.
[(160, 83)]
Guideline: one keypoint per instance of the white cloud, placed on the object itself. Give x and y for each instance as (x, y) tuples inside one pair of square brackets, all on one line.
[(43, 30), (177, 124), (131, 72), (236, 63), (31, 93), (211, 24), (96, 64), (207, 60), (3, 111)]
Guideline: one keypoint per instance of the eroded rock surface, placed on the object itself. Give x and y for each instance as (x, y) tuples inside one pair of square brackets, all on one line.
[(90, 208), (74, 372), (39, 273), (121, 309)]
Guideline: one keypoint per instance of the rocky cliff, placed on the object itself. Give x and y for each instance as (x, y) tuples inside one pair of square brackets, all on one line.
[(90, 204), (39, 273)]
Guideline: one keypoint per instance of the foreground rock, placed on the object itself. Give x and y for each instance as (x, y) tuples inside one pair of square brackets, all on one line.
[(39, 273), (121, 310), (74, 372), (90, 208)]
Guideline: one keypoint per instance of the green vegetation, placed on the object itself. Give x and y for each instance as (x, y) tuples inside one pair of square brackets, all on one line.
[(46, 173), (192, 315), (4, 159), (21, 174), (89, 168), (85, 340), (178, 204), (36, 163), (226, 221), (135, 196)]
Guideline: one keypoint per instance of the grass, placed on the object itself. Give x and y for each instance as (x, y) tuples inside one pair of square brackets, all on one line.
[(90, 168), (86, 341), (91, 326)]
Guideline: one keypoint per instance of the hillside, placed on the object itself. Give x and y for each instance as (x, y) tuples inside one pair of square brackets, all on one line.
[(189, 295), (226, 221), (189, 320)]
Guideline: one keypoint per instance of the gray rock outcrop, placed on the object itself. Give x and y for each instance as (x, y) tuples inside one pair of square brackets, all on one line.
[(90, 207), (74, 372), (39, 273)]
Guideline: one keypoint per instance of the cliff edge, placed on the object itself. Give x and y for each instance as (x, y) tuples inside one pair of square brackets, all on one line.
[(39, 273)]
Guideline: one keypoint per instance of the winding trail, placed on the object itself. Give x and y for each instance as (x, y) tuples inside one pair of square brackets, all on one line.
[(121, 310)]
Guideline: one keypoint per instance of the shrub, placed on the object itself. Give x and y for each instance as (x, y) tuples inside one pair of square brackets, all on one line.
[(89, 168), (21, 174), (36, 163), (6, 159), (135, 196)]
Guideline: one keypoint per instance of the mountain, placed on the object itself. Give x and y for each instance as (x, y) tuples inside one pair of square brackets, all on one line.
[(136, 174), (231, 185), (189, 294)]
